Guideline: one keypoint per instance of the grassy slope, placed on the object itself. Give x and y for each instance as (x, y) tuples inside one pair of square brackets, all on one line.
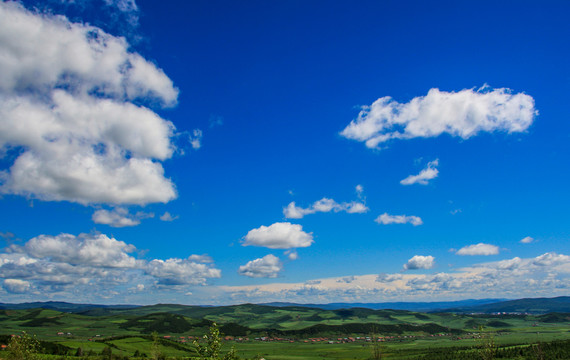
[(184, 320), (132, 322)]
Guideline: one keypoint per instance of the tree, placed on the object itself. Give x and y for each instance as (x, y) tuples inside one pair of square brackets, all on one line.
[(155, 352), (487, 346), (23, 347), (79, 352), (107, 353), (210, 350), (377, 348)]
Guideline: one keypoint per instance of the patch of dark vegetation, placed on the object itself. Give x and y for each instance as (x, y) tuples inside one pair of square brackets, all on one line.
[(42, 322), (233, 329), (421, 316), (554, 318), (498, 324), (32, 314), (159, 322), (162, 341), (204, 323), (474, 323), (365, 328), (314, 317), (5, 339), (344, 313), (555, 350)]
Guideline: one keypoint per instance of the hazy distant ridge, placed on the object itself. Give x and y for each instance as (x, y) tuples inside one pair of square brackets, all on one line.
[(411, 306), (529, 305)]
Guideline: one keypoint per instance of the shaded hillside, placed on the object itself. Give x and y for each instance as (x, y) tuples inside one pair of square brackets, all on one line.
[(250, 319), (159, 322)]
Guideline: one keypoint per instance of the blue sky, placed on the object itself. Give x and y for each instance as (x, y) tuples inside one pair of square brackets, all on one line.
[(217, 152)]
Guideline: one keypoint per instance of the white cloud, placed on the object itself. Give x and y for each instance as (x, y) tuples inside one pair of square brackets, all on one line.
[(201, 258), (181, 271), (196, 139), (387, 219), (527, 240), (292, 211), (359, 190), (67, 113), (292, 255), (347, 279), (544, 275), (464, 114), (16, 286), (356, 208), (168, 217), (268, 266), (478, 249), (282, 235), (85, 249), (419, 262), (551, 259), (94, 265), (119, 217), (128, 6), (430, 172)]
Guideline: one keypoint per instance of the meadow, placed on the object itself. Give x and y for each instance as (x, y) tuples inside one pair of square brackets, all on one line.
[(286, 333)]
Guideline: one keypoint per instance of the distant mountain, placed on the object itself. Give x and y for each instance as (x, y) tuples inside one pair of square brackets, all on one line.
[(533, 306), (62, 306), (410, 306), (559, 304)]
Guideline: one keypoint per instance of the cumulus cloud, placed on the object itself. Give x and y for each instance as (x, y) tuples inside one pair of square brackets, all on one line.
[(430, 172), (478, 249), (386, 219), (551, 259), (292, 211), (68, 113), (463, 114), (16, 286), (168, 217), (119, 217), (93, 264), (281, 235), (181, 271), (268, 266), (85, 249), (527, 240), (419, 262), (544, 275), (292, 255)]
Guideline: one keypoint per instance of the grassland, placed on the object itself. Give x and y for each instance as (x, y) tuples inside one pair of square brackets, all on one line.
[(280, 332)]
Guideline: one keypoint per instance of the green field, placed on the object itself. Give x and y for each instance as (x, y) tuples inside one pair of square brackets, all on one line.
[(281, 332)]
